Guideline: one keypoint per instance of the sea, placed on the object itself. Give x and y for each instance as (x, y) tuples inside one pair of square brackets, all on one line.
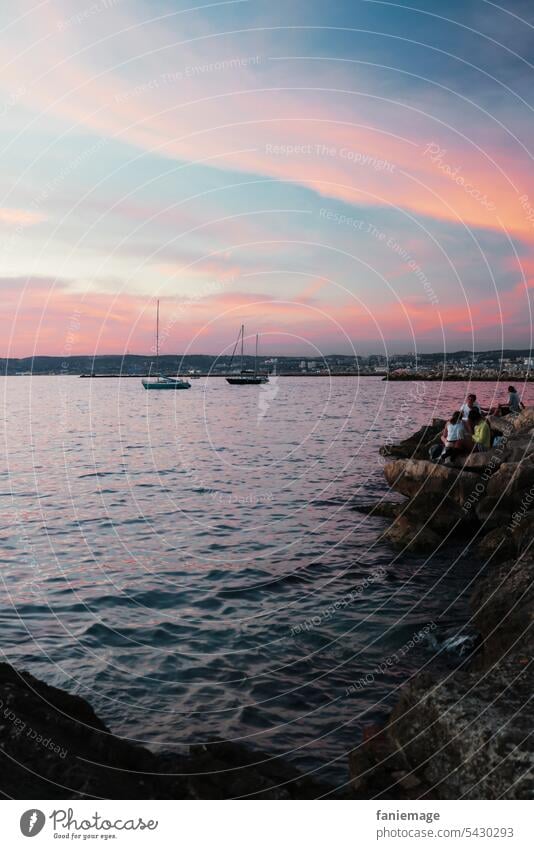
[(195, 563)]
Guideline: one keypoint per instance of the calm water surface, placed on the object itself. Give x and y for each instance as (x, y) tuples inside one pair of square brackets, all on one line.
[(176, 558)]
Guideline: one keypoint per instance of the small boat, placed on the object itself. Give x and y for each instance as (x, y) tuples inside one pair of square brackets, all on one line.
[(160, 381), (246, 377)]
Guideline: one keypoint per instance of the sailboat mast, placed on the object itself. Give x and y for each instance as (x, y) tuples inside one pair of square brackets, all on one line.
[(242, 344), (157, 336), (256, 358)]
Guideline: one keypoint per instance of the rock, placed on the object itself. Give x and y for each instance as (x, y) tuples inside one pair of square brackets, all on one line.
[(424, 520), (386, 509), (408, 781), (503, 608), (478, 461), (415, 477), (493, 512), (523, 420), (512, 536), (53, 746), (511, 480), (522, 524), (501, 425), (519, 448), (417, 445), (468, 736), (404, 534), (509, 496), (498, 542)]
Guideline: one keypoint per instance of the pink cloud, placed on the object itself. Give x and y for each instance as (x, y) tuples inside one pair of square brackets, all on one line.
[(20, 216), (48, 317)]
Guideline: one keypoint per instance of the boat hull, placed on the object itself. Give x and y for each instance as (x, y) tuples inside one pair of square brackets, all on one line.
[(238, 380), (166, 384)]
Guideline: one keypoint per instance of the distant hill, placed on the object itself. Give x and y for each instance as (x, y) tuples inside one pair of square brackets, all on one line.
[(172, 364), (128, 364)]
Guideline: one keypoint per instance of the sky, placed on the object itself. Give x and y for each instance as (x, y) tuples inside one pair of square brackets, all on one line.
[(352, 177)]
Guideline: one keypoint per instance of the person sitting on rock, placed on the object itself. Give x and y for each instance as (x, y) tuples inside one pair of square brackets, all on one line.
[(453, 437), (470, 404), (479, 431), (514, 405)]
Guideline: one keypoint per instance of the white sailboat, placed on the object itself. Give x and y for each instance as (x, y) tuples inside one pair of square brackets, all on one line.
[(160, 381)]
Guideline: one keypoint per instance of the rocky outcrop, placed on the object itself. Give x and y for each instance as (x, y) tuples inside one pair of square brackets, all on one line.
[(436, 503), (424, 520), (385, 509), (418, 478), (464, 738), (53, 746), (415, 446), (469, 734), (493, 490)]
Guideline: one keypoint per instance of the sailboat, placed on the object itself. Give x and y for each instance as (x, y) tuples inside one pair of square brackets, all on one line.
[(246, 376), (161, 381)]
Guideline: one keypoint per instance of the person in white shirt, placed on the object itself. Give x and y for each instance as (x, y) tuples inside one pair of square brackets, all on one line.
[(470, 404), (453, 436)]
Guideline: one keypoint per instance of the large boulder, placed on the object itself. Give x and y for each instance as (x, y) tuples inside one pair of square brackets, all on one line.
[(493, 512), (512, 480), (422, 522), (408, 535), (518, 447), (524, 420), (383, 508), (468, 737), (479, 461), (417, 445), (503, 608), (501, 425), (522, 525), (495, 543), (418, 477), (512, 534)]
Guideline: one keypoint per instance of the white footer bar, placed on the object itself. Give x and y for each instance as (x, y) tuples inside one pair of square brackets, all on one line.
[(267, 824)]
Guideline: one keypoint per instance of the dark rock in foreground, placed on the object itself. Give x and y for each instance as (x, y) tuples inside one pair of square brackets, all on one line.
[(53, 746)]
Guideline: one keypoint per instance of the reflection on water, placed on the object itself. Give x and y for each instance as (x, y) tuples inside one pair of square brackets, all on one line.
[(192, 562)]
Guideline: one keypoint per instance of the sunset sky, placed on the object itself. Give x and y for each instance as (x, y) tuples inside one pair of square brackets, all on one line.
[(349, 176)]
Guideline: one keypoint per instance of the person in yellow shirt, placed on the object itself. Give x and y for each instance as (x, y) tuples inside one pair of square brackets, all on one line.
[(480, 431)]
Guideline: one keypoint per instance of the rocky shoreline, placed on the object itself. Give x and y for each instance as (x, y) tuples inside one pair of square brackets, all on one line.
[(469, 377), (467, 735)]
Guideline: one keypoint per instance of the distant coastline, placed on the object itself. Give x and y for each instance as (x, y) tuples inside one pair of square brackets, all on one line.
[(471, 376), (493, 366)]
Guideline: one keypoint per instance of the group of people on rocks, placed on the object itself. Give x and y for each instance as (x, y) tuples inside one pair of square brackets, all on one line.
[(468, 429)]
